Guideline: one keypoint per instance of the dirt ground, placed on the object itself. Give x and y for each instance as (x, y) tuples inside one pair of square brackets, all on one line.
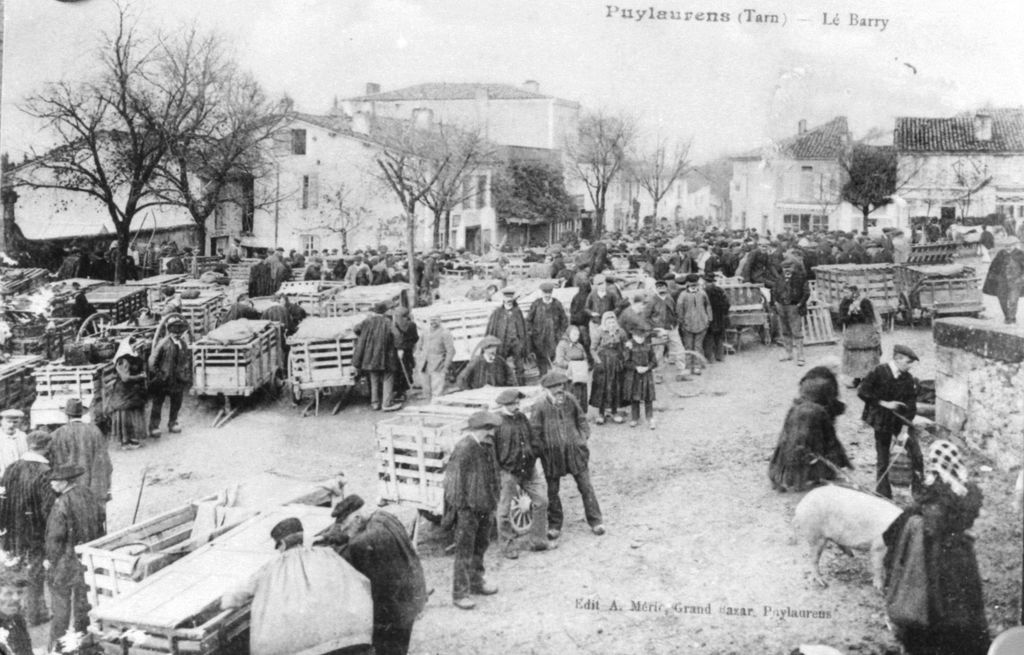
[(693, 524)]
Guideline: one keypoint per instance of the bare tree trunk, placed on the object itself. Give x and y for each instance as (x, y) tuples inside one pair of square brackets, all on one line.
[(447, 228), (410, 243), (201, 238)]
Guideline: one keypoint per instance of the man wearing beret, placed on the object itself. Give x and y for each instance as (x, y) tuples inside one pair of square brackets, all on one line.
[(13, 443), (518, 449), (24, 506), (16, 639), (74, 520), (561, 425), (470, 498), (377, 545), (509, 327), (889, 392), (306, 600), (546, 323)]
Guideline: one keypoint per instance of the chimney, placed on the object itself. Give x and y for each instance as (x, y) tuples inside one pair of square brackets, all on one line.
[(532, 86), (361, 122), (801, 127), (982, 126), (372, 88), (422, 118)]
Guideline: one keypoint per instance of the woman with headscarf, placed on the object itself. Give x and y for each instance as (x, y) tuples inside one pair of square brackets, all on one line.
[(126, 404), (606, 389), (808, 450), (953, 621), (862, 343), (571, 359)]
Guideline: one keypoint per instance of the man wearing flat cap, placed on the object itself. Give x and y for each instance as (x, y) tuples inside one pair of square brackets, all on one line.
[(561, 425), (507, 324), (518, 449), (171, 367), (546, 323), (17, 640), (377, 545), (306, 600), (24, 506), (13, 443), (470, 498), (75, 519), (375, 353), (694, 311), (889, 393), (485, 368)]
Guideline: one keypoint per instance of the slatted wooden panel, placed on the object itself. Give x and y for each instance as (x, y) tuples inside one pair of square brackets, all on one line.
[(818, 325), (940, 252), (201, 313), (17, 384), (120, 302), (467, 321), (321, 364), (22, 280), (237, 369), (746, 305), (876, 280), (484, 397), (412, 449), (57, 383), (360, 300)]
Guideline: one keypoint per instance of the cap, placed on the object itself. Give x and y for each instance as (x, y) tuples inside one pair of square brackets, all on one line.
[(599, 279), (178, 324), (288, 526), (509, 291), (73, 408), (553, 379), (692, 278), (380, 307), (900, 349), (547, 287), (67, 472), (483, 419), (12, 413), (660, 283), (346, 507), (509, 396), (680, 279), (39, 440)]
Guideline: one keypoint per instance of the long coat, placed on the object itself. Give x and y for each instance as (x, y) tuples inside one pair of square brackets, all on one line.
[(171, 364), (807, 434), (636, 386), (437, 351), (25, 505), (374, 349), (74, 520), (546, 324), (719, 302), (564, 430), (471, 478), (83, 444), (880, 384), (509, 326)]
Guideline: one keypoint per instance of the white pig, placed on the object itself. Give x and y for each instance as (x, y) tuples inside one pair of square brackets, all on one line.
[(850, 519)]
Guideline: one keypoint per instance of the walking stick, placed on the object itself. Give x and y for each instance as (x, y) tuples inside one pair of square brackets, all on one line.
[(138, 501)]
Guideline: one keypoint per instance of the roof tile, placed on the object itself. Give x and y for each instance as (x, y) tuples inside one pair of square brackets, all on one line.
[(453, 91), (956, 134)]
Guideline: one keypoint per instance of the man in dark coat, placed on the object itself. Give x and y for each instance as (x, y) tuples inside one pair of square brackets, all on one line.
[(171, 366), (486, 369), (890, 392), (377, 545), (518, 448), (83, 444), (1005, 280), (561, 425), (24, 506), (790, 293), (406, 337), (546, 323), (508, 325), (375, 353), (242, 308), (661, 315), (17, 640), (74, 520), (470, 498), (714, 340)]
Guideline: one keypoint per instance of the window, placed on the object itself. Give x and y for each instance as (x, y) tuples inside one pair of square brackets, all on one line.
[(481, 191), (219, 219), (807, 183), (805, 222), (298, 142), (310, 242), (308, 193), (467, 193)]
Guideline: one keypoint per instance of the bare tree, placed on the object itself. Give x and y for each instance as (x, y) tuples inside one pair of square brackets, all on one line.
[(340, 212), (109, 147), (456, 154), (598, 152), (656, 170), (971, 176)]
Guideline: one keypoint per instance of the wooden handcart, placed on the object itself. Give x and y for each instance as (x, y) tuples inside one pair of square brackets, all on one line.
[(360, 300), (311, 295), (466, 320), (56, 383), (748, 310), (877, 281), (926, 292), (320, 358), (202, 312), (121, 303), (236, 360)]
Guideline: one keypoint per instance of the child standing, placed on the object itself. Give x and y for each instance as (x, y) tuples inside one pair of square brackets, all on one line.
[(638, 364)]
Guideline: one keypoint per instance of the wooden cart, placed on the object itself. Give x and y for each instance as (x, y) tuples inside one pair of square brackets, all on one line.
[(120, 303), (320, 358), (176, 611), (748, 309), (202, 313), (57, 383), (937, 290), (155, 283), (311, 295), (14, 281), (466, 320), (877, 281), (360, 300), (236, 367), (17, 384)]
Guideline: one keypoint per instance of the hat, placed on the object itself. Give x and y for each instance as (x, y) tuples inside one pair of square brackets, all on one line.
[(509, 291), (74, 408), (67, 472), (509, 396), (380, 307), (599, 279), (553, 379), (680, 279), (900, 349), (12, 413), (547, 287), (660, 283), (178, 322), (39, 440), (692, 278), (346, 507), (285, 528), (483, 419)]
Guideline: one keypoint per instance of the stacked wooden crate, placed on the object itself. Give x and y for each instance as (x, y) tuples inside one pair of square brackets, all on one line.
[(17, 384), (202, 313), (120, 302), (360, 300), (57, 383), (467, 322), (876, 281), (413, 449)]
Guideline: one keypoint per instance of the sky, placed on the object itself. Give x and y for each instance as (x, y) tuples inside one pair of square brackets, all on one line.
[(730, 86)]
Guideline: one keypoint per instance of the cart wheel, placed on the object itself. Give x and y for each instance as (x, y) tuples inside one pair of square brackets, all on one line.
[(95, 324), (521, 512), (905, 310)]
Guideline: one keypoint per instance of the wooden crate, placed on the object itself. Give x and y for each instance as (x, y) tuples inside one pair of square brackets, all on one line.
[(240, 271), (817, 324), (117, 563), (56, 383), (876, 280), (15, 281), (17, 384), (176, 611), (318, 363), (746, 305), (467, 321), (940, 252), (311, 295), (202, 312), (412, 451), (155, 283), (484, 397), (121, 302), (237, 369), (361, 300), (940, 289)]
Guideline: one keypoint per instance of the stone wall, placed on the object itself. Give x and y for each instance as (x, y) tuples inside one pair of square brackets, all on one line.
[(979, 386)]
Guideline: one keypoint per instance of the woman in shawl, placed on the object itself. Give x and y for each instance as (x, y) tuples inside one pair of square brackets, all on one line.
[(606, 389), (127, 402), (862, 343), (638, 363), (948, 504), (571, 359), (808, 450)]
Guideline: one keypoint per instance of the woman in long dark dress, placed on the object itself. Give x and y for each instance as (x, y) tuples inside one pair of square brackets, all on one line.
[(948, 504), (638, 363), (862, 343), (127, 403), (606, 387)]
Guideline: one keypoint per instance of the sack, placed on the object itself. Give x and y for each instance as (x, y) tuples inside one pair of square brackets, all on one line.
[(906, 595)]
